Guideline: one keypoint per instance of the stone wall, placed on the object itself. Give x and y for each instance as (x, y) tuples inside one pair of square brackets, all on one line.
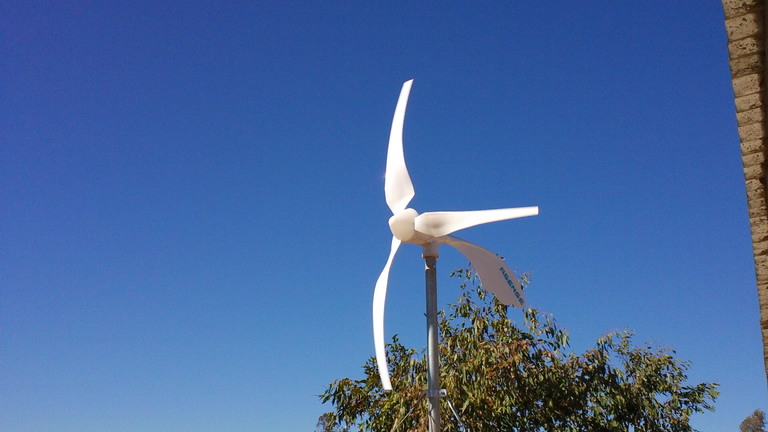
[(745, 27)]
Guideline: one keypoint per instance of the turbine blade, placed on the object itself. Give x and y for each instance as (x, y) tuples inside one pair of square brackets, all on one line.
[(494, 274), (379, 298), (438, 224), (398, 188)]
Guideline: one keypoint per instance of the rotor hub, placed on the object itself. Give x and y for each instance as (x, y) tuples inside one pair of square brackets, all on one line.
[(403, 224)]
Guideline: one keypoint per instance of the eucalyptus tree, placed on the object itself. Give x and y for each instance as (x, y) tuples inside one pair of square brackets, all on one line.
[(501, 376)]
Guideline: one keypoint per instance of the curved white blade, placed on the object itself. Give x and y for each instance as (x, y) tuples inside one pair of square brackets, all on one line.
[(438, 224), (379, 297), (494, 274), (398, 188)]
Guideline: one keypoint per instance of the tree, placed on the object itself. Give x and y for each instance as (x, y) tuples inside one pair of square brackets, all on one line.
[(325, 424), (503, 377), (754, 422)]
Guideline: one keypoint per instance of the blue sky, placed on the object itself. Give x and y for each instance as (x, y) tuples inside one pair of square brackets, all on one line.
[(193, 213)]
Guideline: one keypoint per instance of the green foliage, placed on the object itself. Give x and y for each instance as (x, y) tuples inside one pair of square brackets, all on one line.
[(502, 377), (754, 423)]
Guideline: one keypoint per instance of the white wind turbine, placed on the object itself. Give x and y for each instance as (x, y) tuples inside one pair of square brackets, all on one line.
[(429, 230)]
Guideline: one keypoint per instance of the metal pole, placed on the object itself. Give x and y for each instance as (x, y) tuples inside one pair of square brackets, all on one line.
[(430, 255)]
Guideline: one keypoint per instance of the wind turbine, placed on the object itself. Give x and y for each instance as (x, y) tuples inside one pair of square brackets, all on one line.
[(429, 230)]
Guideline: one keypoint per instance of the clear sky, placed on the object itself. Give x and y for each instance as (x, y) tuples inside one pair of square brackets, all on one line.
[(193, 215)]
